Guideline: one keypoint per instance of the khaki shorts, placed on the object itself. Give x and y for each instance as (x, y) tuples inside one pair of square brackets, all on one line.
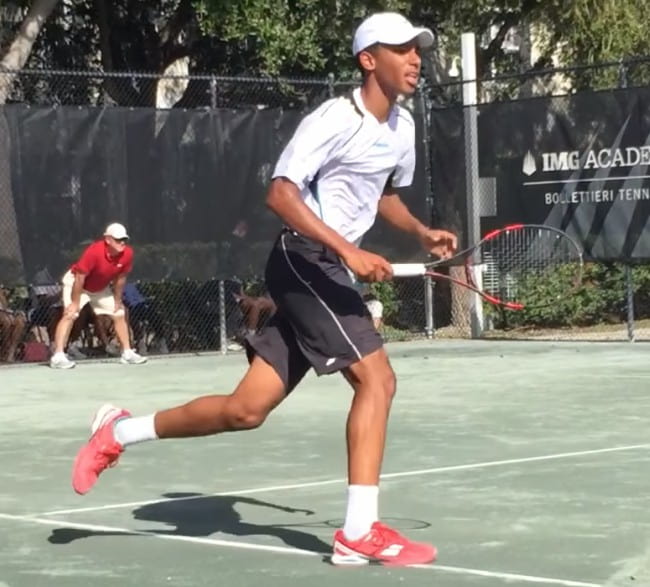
[(102, 302)]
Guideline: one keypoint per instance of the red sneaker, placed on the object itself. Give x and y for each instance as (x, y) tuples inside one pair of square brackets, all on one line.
[(100, 452), (382, 544)]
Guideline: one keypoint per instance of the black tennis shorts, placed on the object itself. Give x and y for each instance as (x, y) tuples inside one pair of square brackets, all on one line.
[(321, 320)]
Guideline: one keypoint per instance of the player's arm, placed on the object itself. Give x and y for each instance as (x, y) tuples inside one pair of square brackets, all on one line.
[(391, 208), (82, 268), (118, 290), (75, 294), (395, 212), (285, 200), (441, 243)]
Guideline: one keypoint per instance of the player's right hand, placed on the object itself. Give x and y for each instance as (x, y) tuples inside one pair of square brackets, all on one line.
[(368, 266), (72, 310)]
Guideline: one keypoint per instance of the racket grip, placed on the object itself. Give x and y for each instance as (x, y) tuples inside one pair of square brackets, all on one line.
[(408, 269)]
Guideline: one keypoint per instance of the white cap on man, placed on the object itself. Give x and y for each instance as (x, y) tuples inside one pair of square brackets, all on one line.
[(117, 231), (389, 28)]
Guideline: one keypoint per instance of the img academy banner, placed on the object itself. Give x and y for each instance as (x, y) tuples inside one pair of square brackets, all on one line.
[(580, 163)]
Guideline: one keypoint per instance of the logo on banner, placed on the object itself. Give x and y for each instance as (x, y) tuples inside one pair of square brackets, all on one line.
[(593, 159), (529, 167), (578, 189)]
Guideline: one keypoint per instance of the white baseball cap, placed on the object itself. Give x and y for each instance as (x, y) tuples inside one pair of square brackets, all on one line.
[(116, 230), (389, 28)]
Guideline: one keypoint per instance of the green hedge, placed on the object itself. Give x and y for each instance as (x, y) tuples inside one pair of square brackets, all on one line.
[(601, 298)]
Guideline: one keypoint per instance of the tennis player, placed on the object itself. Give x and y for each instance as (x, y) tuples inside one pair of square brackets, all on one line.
[(98, 279), (342, 166)]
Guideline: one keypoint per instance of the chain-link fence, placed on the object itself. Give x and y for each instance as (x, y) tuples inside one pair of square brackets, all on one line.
[(184, 163), (546, 147), (613, 304), (547, 82), (162, 91), (185, 316)]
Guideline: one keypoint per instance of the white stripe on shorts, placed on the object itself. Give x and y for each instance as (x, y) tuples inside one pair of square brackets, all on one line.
[(321, 300)]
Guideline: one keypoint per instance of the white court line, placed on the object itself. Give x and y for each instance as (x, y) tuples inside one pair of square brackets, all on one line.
[(615, 376), (402, 474), (506, 576), (288, 550)]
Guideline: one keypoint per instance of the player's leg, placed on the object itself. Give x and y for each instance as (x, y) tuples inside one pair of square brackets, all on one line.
[(103, 304), (122, 331), (80, 325), (102, 327), (136, 321), (276, 367), (363, 537), (62, 332), (59, 359), (335, 332), (373, 381), (257, 394), (51, 315)]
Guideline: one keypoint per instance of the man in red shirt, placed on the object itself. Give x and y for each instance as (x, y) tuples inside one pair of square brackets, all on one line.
[(103, 264)]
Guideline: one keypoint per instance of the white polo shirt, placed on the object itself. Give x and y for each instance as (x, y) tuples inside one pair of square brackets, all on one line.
[(341, 158)]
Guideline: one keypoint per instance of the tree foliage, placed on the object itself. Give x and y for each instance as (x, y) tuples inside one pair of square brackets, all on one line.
[(291, 37), (313, 37), (588, 32)]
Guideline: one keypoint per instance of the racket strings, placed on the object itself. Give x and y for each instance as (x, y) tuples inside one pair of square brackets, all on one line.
[(516, 260)]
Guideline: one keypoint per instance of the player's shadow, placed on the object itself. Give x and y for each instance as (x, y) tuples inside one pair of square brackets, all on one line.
[(197, 515)]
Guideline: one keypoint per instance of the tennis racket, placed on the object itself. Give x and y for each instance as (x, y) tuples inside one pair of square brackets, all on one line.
[(518, 266)]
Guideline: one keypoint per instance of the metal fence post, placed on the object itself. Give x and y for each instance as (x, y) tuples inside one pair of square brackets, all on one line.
[(423, 118), (622, 75), (213, 92), (470, 114), (223, 334), (429, 328), (424, 109), (629, 295), (629, 279), (330, 85)]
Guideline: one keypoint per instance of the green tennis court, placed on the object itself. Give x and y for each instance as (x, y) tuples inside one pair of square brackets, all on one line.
[(525, 463)]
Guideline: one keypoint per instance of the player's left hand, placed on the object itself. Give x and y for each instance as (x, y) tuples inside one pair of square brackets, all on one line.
[(440, 243)]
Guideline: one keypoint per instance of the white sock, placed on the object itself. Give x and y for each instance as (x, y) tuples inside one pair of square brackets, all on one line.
[(362, 510), (133, 430)]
